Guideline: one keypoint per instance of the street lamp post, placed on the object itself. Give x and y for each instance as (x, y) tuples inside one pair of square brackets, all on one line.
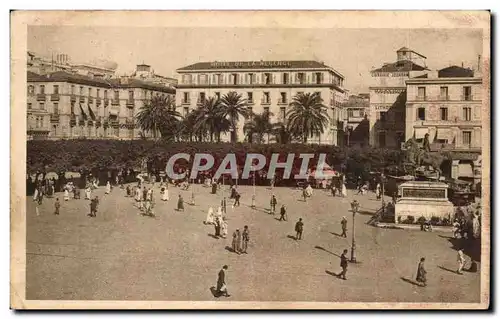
[(382, 177), (354, 208)]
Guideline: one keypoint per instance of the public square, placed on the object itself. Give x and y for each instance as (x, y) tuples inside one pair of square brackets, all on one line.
[(122, 255)]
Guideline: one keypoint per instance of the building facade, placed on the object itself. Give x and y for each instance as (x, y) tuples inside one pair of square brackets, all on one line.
[(266, 86), (446, 104), (145, 73), (356, 110), (388, 98), (63, 105)]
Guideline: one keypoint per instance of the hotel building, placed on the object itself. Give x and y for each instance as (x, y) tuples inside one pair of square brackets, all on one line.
[(388, 98), (446, 104), (67, 105), (267, 86), (356, 110)]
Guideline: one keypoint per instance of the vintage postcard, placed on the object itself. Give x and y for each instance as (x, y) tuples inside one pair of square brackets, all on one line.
[(250, 160)]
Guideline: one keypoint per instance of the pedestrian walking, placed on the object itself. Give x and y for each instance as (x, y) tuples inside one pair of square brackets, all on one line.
[(93, 207), (378, 191), (299, 227), (273, 203), (253, 201), (236, 241), (246, 238), (461, 261), (57, 205), (237, 197), (180, 203), (304, 195), (283, 213), (221, 282), (108, 188), (422, 273), (343, 265), (343, 222), (217, 226)]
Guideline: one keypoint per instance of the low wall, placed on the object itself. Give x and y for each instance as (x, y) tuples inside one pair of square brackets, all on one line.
[(425, 208)]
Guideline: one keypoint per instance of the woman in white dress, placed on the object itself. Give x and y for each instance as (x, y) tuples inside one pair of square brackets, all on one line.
[(224, 228), (210, 216), (344, 191), (35, 195), (88, 193), (108, 188), (66, 194)]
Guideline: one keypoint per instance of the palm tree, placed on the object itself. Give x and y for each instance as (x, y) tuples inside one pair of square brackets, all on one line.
[(158, 115), (307, 115), (259, 125), (186, 129), (232, 107), (210, 119), (281, 132)]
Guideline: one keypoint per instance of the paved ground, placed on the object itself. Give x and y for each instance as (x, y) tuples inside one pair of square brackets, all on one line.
[(121, 255)]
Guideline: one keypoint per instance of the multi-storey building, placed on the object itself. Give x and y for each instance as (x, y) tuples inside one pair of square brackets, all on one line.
[(67, 105), (145, 73), (446, 104), (356, 110), (266, 86), (62, 62), (388, 98)]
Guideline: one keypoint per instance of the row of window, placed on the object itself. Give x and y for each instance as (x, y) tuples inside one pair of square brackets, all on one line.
[(355, 112), (80, 131), (116, 93), (266, 97), (443, 114), (443, 93), (55, 109), (466, 138), (251, 78)]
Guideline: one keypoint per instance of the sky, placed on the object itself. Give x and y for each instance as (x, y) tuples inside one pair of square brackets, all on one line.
[(352, 52)]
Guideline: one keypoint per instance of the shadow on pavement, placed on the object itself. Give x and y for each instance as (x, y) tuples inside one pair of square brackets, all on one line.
[(410, 281), (338, 235), (471, 247), (448, 269), (292, 237), (214, 292), (213, 236), (332, 273), (229, 249), (321, 248)]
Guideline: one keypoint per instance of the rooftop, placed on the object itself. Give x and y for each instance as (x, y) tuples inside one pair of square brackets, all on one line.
[(451, 72), (400, 66), (298, 64), (62, 76)]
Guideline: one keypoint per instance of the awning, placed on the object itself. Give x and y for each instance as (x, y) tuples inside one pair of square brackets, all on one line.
[(91, 113), (420, 132), (83, 112), (444, 134)]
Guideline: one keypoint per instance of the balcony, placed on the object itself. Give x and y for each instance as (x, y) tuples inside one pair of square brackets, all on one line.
[(444, 97), (98, 121), (200, 101), (54, 118), (265, 102), (130, 123), (106, 101), (72, 120), (73, 98), (114, 123), (81, 122), (130, 103), (115, 102), (98, 101), (421, 97), (250, 102), (91, 100), (466, 97), (82, 99), (90, 122), (282, 102), (54, 97), (41, 97), (105, 122), (186, 102)]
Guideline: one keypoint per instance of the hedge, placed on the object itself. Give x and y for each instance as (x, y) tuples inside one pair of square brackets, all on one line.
[(88, 155)]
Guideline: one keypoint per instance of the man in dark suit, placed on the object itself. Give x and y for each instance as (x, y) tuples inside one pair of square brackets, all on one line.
[(221, 282), (343, 264), (299, 227)]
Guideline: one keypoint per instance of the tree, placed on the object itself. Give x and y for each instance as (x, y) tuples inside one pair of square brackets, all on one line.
[(186, 128), (158, 115), (259, 125), (307, 115), (232, 106), (210, 119), (281, 133)]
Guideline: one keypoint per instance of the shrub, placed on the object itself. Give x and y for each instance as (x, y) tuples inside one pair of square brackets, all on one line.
[(445, 222), (435, 221), (411, 219), (399, 219)]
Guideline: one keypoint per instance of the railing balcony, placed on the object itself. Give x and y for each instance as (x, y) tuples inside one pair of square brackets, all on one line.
[(421, 98), (115, 102), (41, 97), (444, 97), (81, 122), (72, 120), (265, 102), (130, 103), (200, 101), (282, 102), (73, 98), (468, 97), (98, 121), (91, 100), (186, 102), (54, 97), (98, 101), (82, 99), (54, 117), (106, 101), (251, 102)]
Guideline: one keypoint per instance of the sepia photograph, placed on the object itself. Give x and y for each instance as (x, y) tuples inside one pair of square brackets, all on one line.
[(250, 160)]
